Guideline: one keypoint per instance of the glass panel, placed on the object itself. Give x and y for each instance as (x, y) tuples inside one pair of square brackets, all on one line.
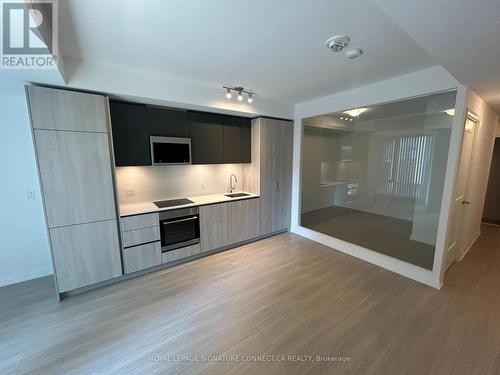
[(171, 152), (374, 176)]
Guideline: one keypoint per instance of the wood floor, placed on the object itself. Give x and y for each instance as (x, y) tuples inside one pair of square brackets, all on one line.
[(281, 296), (384, 234)]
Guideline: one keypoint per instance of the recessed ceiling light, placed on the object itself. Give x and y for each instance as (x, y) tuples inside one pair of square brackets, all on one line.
[(341, 118), (337, 43), (356, 112)]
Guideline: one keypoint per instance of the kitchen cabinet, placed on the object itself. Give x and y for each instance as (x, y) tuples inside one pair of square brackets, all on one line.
[(207, 137), (141, 257), (130, 134), (167, 122), (53, 109), (217, 139), (237, 141), (75, 169), (276, 145), (85, 254), (228, 223), (72, 146), (141, 242)]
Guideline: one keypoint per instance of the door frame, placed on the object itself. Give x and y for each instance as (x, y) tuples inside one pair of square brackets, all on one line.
[(459, 251)]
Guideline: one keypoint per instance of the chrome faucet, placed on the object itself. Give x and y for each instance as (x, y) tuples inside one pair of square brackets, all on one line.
[(232, 183)]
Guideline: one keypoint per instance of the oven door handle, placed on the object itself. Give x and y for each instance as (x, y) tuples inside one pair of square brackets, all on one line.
[(180, 220)]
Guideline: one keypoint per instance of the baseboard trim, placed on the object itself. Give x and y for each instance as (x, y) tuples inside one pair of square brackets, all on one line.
[(24, 276), (469, 247)]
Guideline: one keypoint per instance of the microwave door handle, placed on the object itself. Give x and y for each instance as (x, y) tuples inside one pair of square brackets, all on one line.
[(180, 220)]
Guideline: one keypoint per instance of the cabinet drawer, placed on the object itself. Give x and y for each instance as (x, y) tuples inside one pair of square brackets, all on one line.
[(184, 252), (139, 221), (141, 257), (140, 236)]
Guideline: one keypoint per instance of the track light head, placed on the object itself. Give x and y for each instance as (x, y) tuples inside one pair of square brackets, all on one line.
[(228, 94), (250, 99)]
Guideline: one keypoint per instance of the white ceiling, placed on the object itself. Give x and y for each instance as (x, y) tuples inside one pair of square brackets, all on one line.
[(277, 47), (461, 35), (273, 47)]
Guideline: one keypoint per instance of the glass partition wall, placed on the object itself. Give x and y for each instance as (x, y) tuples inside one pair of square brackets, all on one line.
[(374, 176)]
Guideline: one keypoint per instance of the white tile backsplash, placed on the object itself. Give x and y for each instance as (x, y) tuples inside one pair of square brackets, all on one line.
[(140, 184)]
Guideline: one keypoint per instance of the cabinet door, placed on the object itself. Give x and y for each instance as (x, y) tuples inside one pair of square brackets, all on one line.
[(85, 254), (228, 223), (166, 122), (130, 134), (207, 137), (268, 176), (275, 174), (67, 110), (244, 219), (284, 162), (75, 169), (237, 141), (215, 226)]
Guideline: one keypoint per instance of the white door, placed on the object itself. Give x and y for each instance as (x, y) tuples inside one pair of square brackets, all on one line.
[(461, 203)]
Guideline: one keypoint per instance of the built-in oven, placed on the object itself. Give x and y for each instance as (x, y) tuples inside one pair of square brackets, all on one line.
[(179, 228), (170, 150)]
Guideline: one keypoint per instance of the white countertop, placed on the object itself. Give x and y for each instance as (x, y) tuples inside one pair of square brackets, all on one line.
[(127, 209)]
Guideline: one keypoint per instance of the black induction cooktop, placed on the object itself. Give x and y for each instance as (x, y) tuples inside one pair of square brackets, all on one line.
[(172, 202)]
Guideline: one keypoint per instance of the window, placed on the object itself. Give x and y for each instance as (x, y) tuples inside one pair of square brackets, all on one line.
[(405, 166)]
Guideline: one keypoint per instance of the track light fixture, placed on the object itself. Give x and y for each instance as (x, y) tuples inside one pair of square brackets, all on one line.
[(241, 91)]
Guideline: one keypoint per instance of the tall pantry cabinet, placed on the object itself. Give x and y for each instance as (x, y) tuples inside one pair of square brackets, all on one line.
[(72, 145), (271, 172)]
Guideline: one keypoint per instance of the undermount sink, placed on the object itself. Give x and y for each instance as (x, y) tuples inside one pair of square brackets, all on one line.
[(237, 195)]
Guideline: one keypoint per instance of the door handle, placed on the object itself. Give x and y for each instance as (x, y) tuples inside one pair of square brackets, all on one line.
[(466, 202), (180, 220)]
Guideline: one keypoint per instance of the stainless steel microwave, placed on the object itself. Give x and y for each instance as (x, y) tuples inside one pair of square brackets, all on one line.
[(170, 150)]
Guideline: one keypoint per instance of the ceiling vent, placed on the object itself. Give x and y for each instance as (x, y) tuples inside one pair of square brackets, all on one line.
[(337, 43)]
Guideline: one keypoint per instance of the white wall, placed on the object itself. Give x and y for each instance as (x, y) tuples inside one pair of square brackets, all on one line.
[(157, 183), (24, 246), (163, 89), (424, 82), (480, 168)]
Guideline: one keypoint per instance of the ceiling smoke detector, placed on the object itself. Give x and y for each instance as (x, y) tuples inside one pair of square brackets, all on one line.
[(337, 43)]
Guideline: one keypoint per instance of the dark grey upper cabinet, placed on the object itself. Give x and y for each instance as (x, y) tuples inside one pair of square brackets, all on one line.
[(207, 137), (167, 122), (130, 134), (237, 141)]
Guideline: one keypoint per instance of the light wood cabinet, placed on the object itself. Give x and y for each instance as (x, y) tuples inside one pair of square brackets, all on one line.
[(141, 257), (276, 145), (75, 169), (140, 221), (184, 252), (228, 223), (70, 132), (67, 110), (85, 254), (140, 236)]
